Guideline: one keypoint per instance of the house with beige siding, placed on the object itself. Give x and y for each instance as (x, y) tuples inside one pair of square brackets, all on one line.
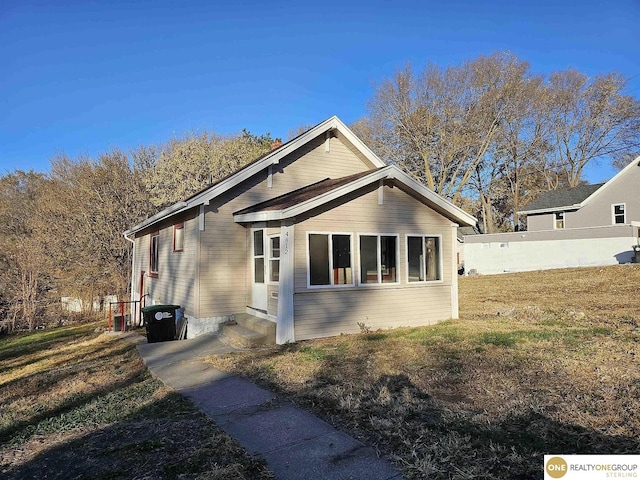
[(311, 240), (588, 225)]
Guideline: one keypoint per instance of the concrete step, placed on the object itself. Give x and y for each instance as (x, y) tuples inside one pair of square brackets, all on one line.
[(260, 325), (239, 336)]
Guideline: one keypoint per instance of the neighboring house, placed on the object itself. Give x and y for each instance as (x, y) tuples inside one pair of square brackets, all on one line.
[(317, 236), (463, 232), (583, 226)]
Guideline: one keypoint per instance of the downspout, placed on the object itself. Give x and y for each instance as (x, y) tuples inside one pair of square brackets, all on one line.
[(133, 259)]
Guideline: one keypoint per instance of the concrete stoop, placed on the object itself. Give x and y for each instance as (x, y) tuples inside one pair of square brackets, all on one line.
[(248, 331)]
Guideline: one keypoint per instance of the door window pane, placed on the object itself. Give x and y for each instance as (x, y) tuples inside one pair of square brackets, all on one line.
[(259, 269), (274, 259), (258, 256), (258, 243)]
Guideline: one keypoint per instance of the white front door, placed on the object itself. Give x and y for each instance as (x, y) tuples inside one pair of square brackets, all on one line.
[(259, 266)]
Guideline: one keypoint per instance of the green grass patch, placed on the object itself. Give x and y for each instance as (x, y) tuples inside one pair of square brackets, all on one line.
[(312, 354)]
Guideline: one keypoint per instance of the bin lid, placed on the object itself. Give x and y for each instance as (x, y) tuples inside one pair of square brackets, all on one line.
[(159, 308)]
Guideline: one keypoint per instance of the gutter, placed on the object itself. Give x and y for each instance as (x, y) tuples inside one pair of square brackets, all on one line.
[(157, 217)]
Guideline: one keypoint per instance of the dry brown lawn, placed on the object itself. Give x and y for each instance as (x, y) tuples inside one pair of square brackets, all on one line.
[(77, 404), (541, 362)]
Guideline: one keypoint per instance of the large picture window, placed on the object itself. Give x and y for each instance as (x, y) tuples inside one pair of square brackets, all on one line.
[(153, 254), (424, 258), (378, 259), (330, 260)]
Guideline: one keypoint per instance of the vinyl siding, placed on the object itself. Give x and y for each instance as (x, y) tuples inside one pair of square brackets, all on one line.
[(334, 310), (225, 269), (330, 313), (176, 280), (598, 212)]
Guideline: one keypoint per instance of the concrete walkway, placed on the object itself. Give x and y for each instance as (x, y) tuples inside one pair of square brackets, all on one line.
[(295, 443)]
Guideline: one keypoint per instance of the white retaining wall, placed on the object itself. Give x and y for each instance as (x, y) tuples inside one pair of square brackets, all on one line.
[(526, 251)]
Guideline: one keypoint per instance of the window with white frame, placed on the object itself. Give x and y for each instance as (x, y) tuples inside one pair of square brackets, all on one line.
[(378, 259), (330, 259), (153, 253), (558, 223), (424, 259), (178, 237), (258, 256), (274, 258), (619, 214)]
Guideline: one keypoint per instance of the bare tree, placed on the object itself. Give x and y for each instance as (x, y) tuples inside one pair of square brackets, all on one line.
[(26, 263), (92, 202), (442, 125), (181, 167), (591, 119)]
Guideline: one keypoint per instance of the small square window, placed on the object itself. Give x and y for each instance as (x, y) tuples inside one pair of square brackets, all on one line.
[(559, 221)]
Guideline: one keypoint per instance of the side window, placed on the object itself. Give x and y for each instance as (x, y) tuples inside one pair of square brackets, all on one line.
[(424, 258), (178, 237), (619, 215), (154, 252), (378, 258), (330, 259), (558, 221)]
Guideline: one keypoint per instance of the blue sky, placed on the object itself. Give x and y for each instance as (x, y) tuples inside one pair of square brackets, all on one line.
[(81, 77)]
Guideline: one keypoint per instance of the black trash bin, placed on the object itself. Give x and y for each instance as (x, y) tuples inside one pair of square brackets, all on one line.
[(160, 322)]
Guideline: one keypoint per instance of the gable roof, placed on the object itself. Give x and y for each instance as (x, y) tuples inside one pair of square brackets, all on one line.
[(563, 199), (320, 193), (574, 198), (271, 158)]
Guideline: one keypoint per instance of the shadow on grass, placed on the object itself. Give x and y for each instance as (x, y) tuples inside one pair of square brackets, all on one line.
[(166, 439), (435, 435), (22, 429)]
